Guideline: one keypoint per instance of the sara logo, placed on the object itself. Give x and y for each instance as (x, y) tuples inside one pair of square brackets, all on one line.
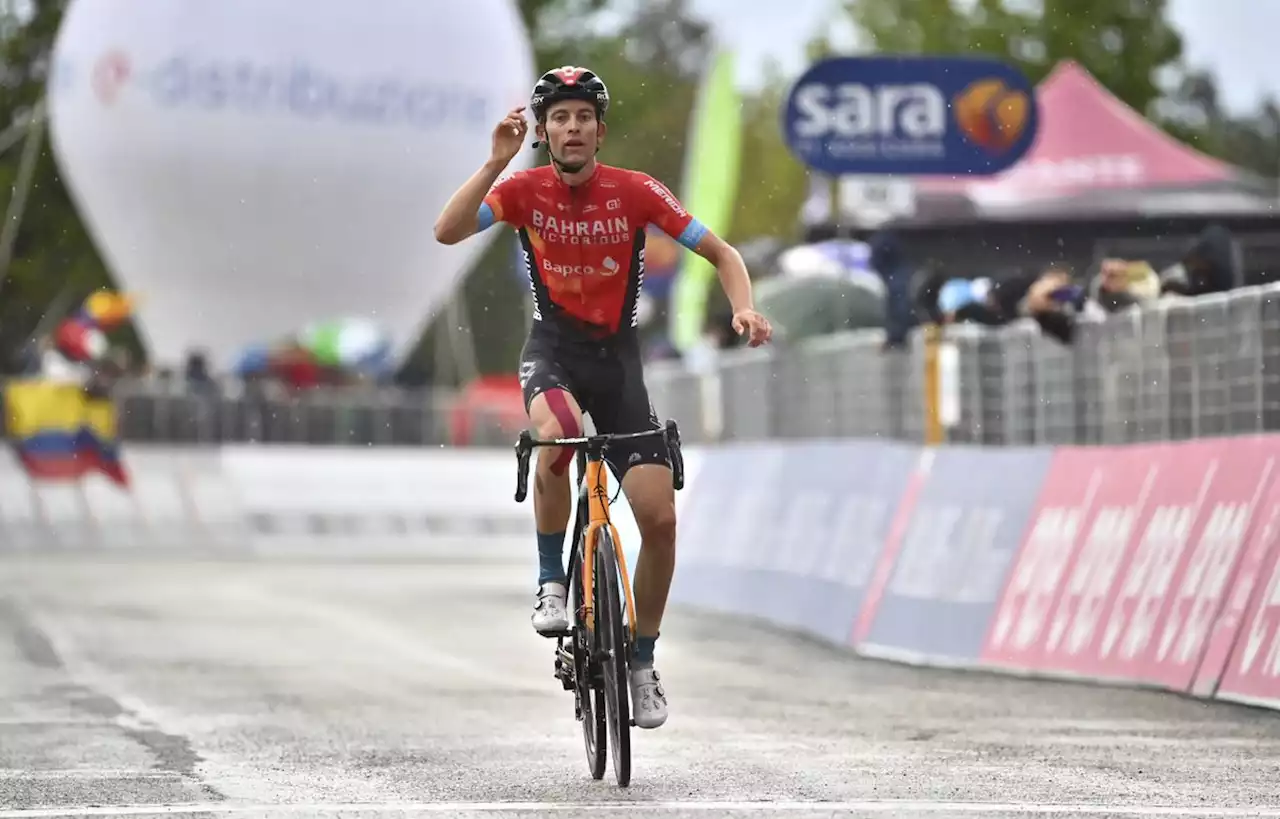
[(910, 116), (992, 115)]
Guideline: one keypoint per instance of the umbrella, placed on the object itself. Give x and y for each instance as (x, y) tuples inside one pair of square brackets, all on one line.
[(823, 288), (818, 305), (348, 344), (254, 360)]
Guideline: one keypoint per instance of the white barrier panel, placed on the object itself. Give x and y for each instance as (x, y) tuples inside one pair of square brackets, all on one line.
[(296, 496), (624, 521), (269, 498), (22, 513), (177, 500)]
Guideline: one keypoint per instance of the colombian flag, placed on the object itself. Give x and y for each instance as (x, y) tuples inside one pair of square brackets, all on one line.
[(59, 433)]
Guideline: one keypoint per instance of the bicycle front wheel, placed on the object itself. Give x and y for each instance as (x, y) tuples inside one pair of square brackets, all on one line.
[(588, 692), (611, 653)]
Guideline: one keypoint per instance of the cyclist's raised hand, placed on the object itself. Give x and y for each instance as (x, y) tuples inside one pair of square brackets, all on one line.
[(508, 137), (755, 326)]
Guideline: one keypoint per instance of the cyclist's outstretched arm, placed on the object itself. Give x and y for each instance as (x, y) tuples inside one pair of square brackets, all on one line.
[(667, 213), (466, 213), (736, 281), (730, 268), (664, 210)]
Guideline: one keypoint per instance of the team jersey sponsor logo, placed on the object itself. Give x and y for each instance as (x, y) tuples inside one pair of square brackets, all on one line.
[(665, 196), (559, 231), (608, 267)]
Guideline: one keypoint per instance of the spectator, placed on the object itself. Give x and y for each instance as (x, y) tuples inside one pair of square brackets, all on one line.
[(1123, 283), (296, 368), (889, 260), (1050, 298), (1210, 266), (197, 373)]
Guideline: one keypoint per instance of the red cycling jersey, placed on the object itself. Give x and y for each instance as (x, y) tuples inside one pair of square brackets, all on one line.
[(584, 244)]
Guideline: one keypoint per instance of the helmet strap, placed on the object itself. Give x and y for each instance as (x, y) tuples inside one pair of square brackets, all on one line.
[(560, 166)]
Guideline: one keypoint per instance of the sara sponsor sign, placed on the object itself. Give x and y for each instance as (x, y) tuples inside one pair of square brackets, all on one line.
[(910, 115)]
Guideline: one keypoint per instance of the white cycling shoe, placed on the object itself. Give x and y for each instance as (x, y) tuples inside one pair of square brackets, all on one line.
[(648, 699), (550, 617)]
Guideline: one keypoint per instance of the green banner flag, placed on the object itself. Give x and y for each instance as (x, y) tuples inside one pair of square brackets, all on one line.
[(712, 158)]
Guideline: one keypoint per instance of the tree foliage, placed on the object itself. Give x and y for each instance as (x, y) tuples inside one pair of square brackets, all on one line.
[(773, 184), (53, 254), (1195, 114), (1124, 43)]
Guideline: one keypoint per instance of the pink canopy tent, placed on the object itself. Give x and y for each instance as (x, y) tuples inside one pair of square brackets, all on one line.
[(1092, 148)]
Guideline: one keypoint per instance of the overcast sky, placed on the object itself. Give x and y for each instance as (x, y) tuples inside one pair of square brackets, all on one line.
[(1235, 38)]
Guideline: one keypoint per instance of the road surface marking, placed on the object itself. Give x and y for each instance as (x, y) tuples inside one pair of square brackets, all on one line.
[(871, 806)]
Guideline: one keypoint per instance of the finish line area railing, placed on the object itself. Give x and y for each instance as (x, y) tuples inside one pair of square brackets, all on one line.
[(1176, 370), (1179, 369)]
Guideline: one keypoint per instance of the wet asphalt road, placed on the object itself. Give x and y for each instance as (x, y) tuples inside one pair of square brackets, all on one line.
[(416, 687)]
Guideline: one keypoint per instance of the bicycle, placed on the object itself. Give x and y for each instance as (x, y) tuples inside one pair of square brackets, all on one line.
[(602, 631)]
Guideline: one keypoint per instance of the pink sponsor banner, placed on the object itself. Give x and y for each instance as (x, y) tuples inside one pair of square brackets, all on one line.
[(1107, 535), (1254, 569), (1139, 599), (1075, 482), (1251, 630), (1244, 470)]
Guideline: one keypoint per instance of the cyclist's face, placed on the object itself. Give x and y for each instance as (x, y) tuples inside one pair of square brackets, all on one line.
[(573, 132)]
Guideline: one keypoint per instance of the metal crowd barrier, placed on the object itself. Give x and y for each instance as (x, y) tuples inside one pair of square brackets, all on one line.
[(1177, 370), (1183, 369), (176, 414)]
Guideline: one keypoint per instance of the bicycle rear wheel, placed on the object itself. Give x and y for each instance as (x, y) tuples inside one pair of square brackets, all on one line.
[(611, 651), (588, 691)]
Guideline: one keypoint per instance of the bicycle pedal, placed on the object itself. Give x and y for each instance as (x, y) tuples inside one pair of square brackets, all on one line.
[(556, 635)]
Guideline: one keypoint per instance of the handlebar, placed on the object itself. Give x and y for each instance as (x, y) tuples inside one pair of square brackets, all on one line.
[(598, 444)]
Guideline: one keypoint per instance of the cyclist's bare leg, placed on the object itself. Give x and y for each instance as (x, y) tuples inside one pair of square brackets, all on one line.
[(653, 503), (553, 414)]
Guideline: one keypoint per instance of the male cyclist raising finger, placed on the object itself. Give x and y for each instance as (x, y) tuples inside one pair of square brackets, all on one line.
[(582, 226)]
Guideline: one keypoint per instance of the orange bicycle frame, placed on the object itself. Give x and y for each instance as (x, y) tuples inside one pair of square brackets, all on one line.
[(597, 481)]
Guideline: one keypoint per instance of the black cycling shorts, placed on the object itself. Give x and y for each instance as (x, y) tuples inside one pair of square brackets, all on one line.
[(607, 381)]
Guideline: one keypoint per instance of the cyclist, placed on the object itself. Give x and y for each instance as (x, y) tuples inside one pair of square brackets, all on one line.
[(582, 226)]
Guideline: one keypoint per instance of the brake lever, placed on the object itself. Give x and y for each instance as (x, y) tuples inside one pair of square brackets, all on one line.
[(524, 448), (672, 435)]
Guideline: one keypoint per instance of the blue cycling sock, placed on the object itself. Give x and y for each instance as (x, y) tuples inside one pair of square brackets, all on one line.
[(643, 654), (551, 558)]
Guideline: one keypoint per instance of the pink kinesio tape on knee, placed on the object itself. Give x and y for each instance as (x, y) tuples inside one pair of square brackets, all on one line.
[(568, 428)]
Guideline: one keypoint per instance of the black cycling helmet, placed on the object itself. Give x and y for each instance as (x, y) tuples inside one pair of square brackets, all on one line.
[(568, 83)]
